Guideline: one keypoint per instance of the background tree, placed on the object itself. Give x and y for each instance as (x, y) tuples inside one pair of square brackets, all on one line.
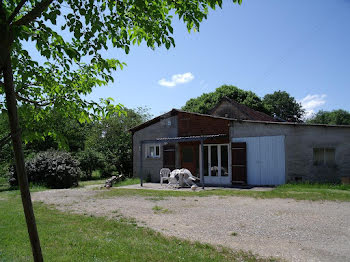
[(283, 105), (112, 139), (204, 103), (74, 65), (53, 132), (335, 117), (5, 149)]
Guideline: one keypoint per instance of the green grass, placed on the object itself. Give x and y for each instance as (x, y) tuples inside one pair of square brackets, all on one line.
[(295, 191), (160, 210), (92, 182), (4, 185), (126, 182), (70, 237)]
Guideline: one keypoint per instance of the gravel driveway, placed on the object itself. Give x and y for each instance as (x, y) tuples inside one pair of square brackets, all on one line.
[(285, 228)]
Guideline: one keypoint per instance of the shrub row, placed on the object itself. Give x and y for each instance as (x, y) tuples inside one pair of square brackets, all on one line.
[(53, 169)]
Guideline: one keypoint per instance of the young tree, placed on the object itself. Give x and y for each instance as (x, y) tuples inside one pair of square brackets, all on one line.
[(204, 103), (74, 65), (335, 117), (283, 105)]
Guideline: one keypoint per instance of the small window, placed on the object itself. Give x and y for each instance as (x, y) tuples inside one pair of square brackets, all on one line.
[(152, 151), (324, 156)]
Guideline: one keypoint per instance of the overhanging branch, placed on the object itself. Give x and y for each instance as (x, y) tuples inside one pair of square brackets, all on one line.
[(34, 102), (16, 11), (34, 13)]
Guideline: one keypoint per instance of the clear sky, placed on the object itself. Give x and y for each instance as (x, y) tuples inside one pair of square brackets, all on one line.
[(302, 47)]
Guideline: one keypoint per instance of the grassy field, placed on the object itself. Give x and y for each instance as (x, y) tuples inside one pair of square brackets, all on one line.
[(295, 191), (69, 237), (126, 182), (3, 184)]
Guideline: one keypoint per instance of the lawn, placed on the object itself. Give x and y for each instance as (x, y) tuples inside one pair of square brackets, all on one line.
[(295, 191), (3, 184), (70, 237), (126, 182)]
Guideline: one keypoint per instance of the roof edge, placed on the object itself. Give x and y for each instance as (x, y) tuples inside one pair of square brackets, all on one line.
[(174, 112), (289, 123)]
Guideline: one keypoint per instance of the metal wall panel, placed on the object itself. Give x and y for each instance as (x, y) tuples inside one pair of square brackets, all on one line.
[(265, 159)]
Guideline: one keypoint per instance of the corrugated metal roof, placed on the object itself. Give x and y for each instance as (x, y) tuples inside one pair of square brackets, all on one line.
[(184, 138)]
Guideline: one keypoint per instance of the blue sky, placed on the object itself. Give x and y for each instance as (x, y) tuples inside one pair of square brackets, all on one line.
[(302, 47)]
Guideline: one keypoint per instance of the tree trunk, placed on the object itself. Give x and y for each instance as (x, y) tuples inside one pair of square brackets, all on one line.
[(19, 159)]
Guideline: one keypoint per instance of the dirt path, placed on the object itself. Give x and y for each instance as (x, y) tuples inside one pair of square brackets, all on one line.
[(294, 230)]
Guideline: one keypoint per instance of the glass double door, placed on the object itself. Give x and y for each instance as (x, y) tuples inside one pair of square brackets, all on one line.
[(216, 163)]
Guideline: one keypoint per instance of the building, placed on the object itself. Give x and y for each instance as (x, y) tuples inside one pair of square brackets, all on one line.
[(237, 145)]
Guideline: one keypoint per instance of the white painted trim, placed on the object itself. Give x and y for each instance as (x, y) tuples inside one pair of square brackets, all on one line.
[(217, 179), (230, 161), (147, 146), (266, 159)]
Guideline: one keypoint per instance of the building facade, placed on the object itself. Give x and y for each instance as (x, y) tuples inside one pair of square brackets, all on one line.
[(239, 151)]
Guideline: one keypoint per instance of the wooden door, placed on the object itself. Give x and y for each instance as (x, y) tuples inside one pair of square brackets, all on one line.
[(169, 156), (265, 160), (239, 163), (189, 156)]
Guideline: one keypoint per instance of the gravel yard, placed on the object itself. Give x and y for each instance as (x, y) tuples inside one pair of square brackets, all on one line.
[(285, 228)]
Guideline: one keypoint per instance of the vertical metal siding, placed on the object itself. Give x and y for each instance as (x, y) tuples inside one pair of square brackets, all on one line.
[(265, 159)]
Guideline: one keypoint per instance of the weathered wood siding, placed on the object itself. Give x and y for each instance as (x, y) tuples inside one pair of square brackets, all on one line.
[(196, 125)]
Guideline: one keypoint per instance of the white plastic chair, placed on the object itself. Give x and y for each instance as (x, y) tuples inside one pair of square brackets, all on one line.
[(164, 175)]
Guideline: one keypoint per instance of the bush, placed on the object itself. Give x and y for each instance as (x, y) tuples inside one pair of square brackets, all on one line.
[(90, 160), (53, 169), (109, 171)]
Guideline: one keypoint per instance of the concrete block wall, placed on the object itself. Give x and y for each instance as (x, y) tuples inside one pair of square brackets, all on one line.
[(152, 166), (300, 140)]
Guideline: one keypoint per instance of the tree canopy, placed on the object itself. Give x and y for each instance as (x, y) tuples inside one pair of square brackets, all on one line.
[(335, 117), (71, 36), (283, 105), (204, 103)]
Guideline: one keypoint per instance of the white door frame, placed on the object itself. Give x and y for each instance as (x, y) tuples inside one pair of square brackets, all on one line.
[(219, 179), (266, 167)]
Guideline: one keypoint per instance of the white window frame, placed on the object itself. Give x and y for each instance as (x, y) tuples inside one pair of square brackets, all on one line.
[(147, 151), (219, 158)]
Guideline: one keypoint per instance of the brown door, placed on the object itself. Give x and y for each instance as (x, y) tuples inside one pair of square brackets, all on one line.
[(189, 155), (169, 156), (239, 163)]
